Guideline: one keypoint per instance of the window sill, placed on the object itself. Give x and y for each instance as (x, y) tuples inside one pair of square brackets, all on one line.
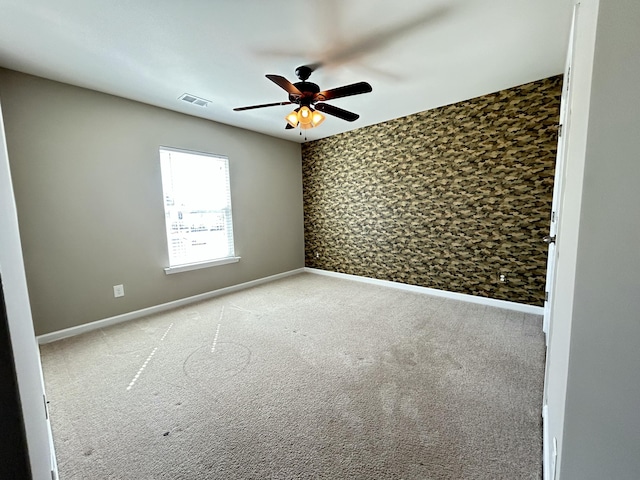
[(196, 266)]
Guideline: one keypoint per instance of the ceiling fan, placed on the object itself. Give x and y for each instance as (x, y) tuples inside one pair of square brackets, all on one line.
[(307, 95)]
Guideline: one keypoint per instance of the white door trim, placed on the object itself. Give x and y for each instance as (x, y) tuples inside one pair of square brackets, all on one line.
[(549, 446)]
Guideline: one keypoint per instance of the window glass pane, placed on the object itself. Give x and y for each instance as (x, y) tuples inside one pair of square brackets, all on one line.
[(197, 205)]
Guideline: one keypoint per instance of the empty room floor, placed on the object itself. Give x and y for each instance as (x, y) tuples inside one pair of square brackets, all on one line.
[(305, 377)]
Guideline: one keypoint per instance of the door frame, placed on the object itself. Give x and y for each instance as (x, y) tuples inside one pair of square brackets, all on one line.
[(549, 449)]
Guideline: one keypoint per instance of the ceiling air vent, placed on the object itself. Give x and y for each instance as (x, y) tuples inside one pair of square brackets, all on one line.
[(200, 102)]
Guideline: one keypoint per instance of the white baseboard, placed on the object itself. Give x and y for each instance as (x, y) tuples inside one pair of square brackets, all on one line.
[(87, 327), (492, 302)]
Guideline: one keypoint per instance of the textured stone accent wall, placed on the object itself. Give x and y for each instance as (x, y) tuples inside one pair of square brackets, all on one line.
[(448, 198)]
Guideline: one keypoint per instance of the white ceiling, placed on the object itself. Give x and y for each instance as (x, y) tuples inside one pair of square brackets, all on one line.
[(416, 54)]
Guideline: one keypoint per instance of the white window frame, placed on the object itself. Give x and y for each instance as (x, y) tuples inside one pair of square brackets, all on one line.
[(175, 265)]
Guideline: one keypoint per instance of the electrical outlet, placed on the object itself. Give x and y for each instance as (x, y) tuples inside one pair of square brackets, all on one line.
[(118, 291), (502, 278), (317, 255)]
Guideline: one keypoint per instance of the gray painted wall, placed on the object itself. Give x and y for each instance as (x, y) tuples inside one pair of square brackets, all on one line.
[(86, 175), (602, 411)]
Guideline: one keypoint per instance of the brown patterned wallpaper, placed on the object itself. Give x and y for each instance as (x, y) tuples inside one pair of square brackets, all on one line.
[(449, 198)]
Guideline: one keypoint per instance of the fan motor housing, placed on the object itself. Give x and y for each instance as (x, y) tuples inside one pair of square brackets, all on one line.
[(308, 90)]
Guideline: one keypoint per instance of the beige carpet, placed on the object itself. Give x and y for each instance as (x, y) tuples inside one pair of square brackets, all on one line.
[(305, 377)]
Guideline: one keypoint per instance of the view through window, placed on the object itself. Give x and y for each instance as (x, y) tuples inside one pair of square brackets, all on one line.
[(197, 205)]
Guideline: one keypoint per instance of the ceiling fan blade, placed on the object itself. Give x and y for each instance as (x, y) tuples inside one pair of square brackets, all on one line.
[(284, 84), (314, 66), (342, 51), (251, 107), (288, 126), (337, 112), (346, 91), (345, 48)]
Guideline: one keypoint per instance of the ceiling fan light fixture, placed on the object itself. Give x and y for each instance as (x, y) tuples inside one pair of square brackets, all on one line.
[(305, 118), (292, 118), (305, 115), (317, 118)]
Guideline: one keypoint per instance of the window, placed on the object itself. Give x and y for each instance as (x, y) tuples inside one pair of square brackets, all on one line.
[(197, 206)]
